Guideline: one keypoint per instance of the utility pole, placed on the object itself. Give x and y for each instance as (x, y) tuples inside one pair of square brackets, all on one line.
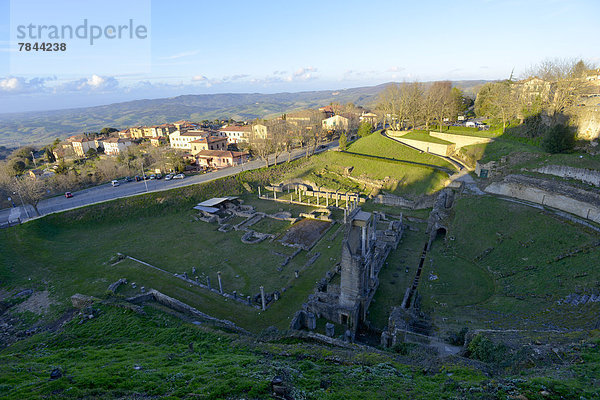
[(33, 157), (22, 202), (143, 177)]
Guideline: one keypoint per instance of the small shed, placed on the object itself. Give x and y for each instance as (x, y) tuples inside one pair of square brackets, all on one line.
[(217, 204)]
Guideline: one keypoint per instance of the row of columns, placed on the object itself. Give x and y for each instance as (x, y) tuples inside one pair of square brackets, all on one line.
[(352, 200)]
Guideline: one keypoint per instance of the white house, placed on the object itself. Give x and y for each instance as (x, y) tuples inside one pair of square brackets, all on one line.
[(236, 133), (179, 140), (337, 122), (113, 146)]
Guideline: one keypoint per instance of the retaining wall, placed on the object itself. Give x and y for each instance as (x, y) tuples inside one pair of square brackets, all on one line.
[(585, 175), (578, 202), (434, 148), (460, 140)]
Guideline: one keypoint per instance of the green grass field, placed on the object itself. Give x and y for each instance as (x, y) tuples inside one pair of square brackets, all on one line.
[(69, 253), (377, 145), (499, 267), (326, 170), (424, 136)]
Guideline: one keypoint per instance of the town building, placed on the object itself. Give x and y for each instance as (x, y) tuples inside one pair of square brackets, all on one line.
[(336, 123), (181, 140), (236, 133), (114, 146), (81, 146), (208, 143), (220, 158)]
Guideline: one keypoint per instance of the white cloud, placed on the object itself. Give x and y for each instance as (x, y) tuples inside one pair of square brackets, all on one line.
[(199, 78), (303, 74), (180, 55), (18, 85), (95, 83)]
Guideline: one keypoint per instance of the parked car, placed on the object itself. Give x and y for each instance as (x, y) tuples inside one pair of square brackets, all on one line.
[(138, 178), (115, 183), (152, 177), (145, 177), (168, 177), (158, 176), (68, 195), (128, 179), (179, 176)]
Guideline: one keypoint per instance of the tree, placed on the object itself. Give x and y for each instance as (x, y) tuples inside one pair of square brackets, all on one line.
[(566, 82), (343, 141), (31, 190), (558, 139), (413, 95), (497, 100), (365, 129), (441, 94), (391, 106), (18, 166), (49, 155), (91, 153), (107, 131)]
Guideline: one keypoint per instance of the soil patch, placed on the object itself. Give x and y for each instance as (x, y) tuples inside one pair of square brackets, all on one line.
[(305, 233)]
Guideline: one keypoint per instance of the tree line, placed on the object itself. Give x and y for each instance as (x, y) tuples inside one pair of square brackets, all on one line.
[(410, 105)]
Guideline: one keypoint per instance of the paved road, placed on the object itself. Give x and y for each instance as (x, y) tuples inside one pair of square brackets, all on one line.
[(107, 192)]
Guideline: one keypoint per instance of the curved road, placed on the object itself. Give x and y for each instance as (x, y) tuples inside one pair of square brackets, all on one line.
[(106, 192)]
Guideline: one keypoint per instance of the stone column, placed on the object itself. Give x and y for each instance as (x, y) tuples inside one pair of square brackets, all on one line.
[(262, 298), (299, 196), (364, 240), (329, 329), (259, 192), (220, 284), (326, 199), (345, 216), (275, 194), (249, 300), (337, 200), (311, 321)]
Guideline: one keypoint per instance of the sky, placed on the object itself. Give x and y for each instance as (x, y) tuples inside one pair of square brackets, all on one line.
[(199, 47)]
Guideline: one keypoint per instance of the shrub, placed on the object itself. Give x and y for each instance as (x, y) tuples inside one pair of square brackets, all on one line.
[(558, 139), (482, 349), (365, 129)]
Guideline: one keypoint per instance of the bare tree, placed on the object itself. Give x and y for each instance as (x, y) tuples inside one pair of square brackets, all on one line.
[(440, 94), (390, 105), (567, 81), (413, 95), (31, 190)]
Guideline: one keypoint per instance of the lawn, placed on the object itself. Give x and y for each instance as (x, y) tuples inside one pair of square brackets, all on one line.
[(327, 170), (424, 136), (377, 145), (393, 278), (505, 265), (69, 253)]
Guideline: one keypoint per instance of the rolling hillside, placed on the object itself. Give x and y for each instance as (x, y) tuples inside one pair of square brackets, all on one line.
[(43, 127)]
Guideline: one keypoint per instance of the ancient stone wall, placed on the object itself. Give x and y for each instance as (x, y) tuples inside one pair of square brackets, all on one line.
[(570, 199), (428, 147), (585, 175)]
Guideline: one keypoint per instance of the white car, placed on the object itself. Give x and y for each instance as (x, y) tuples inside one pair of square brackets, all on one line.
[(168, 177), (179, 176), (115, 183)]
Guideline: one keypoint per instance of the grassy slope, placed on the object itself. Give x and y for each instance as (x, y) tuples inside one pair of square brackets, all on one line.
[(424, 136), (120, 354), (503, 263), (377, 145)]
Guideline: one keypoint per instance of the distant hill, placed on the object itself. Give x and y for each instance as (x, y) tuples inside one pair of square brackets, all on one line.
[(43, 127)]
